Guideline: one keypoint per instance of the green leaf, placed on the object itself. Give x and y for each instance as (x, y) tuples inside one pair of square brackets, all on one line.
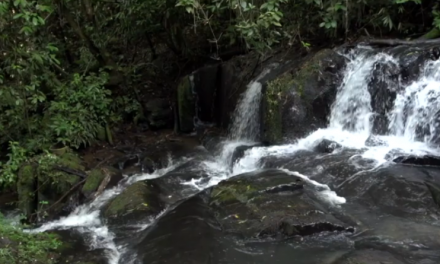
[(16, 16)]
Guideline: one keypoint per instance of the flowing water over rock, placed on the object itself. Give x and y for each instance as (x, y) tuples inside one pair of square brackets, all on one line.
[(335, 196)]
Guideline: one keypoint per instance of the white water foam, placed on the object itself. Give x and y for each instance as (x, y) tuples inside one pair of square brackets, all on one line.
[(86, 218), (413, 124), (416, 112), (350, 122), (325, 192), (245, 123)]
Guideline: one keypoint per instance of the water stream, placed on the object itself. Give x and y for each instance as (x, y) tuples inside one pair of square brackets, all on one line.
[(414, 121)]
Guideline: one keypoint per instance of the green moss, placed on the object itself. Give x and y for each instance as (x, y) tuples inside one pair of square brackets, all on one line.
[(19, 247), (273, 100), (186, 105), (276, 93), (432, 34), (230, 192), (137, 197), (71, 160), (25, 189), (309, 69), (93, 181)]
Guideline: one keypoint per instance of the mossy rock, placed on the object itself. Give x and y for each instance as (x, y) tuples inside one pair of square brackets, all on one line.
[(186, 105), (273, 105), (136, 201), (268, 203), (51, 183), (298, 101), (96, 176), (245, 187), (94, 179), (26, 189), (59, 182), (71, 160)]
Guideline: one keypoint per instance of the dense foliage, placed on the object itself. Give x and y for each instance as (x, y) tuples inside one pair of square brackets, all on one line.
[(71, 69), (18, 247)]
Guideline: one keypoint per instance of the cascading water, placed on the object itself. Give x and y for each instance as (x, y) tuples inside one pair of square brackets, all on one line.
[(416, 115), (413, 125), (86, 219), (245, 122), (352, 109)]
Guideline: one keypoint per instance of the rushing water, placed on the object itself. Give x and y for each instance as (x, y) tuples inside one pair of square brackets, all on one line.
[(245, 123), (413, 124)]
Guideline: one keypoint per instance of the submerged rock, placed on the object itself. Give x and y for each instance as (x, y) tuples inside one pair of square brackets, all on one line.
[(270, 203), (327, 146), (426, 160), (369, 257), (137, 201), (240, 151)]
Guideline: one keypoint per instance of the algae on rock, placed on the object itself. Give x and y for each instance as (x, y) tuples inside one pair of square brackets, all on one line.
[(41, 183), (137, 200), (273, 101), (298, 101), (94, 179), (270, 203), (96, 176)]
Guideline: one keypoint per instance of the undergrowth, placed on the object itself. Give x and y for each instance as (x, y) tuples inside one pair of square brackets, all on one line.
[(18, 247)]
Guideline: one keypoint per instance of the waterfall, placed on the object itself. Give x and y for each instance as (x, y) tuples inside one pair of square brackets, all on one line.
[(416, 113), (352, 108), (246, 123), (246, 118), (414, 126)]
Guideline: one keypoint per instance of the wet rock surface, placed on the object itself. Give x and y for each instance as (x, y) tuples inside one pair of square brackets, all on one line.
[(270, 204), (303, 95), (194, 206), (187, 234), (136, 202)]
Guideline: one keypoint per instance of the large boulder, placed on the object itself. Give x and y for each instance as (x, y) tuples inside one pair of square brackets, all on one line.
[(400, 190), (136, 202), (167, 240), (383, 87), (413, 58), (45, 184), (270, 203), (298, 101)]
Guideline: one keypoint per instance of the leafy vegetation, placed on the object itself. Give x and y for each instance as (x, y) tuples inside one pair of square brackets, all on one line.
[(19, 247), (71, 70)]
